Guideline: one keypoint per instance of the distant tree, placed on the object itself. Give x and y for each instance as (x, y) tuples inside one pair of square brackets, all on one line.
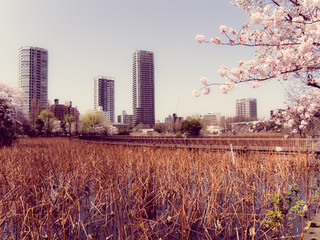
[(11, 115), (174, 124), (93, 122), (39, 126), (47, 118), (63, 127), (123, 131), (142, 126), (56, 127), (159, 127), (191, 127), (68, 119), (35, 110)]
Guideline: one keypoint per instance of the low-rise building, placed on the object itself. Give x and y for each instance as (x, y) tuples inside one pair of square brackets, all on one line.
[(60, 110), (125, 118), (211, 118)]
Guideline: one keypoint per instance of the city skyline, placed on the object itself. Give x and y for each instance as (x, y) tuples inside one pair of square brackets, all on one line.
[(83, 42)]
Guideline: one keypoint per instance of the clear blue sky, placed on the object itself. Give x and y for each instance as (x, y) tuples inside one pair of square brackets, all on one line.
[(98, 37)]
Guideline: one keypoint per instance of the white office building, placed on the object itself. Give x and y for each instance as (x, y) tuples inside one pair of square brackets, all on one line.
[(246, 107)]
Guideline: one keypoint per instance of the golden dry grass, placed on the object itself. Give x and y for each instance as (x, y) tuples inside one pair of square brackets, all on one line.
[(56, 188)]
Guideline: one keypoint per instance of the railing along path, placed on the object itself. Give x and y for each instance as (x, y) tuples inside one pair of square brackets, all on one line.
[(215, 143)]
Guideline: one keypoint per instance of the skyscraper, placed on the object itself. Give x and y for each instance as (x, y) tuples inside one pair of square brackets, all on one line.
[(33, 80), (143, 88), (103, 98), (246, 107)]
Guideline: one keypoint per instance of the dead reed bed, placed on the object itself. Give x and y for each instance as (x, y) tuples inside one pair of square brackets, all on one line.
[(58, 188)]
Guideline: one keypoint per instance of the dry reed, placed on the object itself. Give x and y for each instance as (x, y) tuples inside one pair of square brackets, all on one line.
[(58, 188)]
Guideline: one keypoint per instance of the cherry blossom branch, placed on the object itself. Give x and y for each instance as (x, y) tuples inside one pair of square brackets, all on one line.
[(285, 39)]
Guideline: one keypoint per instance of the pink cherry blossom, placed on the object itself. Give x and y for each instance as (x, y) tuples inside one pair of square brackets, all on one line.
[(11, 113), (255, 84), (255, 18), (286, 43), (298, 116), (216, 41), (200, 38), (223, 71), (233, 31), (196, 93), (224, 89), (223, 29), (206, 91), (204, 81), (285, 39)]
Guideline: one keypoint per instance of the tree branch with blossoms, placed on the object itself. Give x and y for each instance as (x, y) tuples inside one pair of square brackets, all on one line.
[(285, 35), (11, 114)]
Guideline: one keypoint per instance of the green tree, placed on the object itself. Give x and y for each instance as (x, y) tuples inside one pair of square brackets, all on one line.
[(68, 119), (47, 118), (191, 127), (91, 120)]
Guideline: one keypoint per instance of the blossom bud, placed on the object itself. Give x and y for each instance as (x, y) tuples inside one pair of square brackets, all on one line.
[(204, 80), (233, 31), (223, 29), (196, 93), (206, 91), (223, 71), (200, 38)]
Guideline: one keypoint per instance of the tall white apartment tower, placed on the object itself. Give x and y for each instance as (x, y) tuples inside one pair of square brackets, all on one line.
[(103, 96), (143, 88), (33, 80), (246, 107)]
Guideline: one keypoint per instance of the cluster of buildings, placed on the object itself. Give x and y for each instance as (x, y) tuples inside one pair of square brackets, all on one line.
[(33, 80)]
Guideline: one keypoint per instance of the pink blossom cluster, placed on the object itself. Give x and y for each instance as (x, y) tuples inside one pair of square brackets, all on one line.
[(10, 97), (9, 94), (204, 90), (285, 35), (299, 115)]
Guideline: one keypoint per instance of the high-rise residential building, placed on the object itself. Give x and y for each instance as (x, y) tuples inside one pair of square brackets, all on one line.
[(33, 80), (143, 88), (246, 107), (103, 98)]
